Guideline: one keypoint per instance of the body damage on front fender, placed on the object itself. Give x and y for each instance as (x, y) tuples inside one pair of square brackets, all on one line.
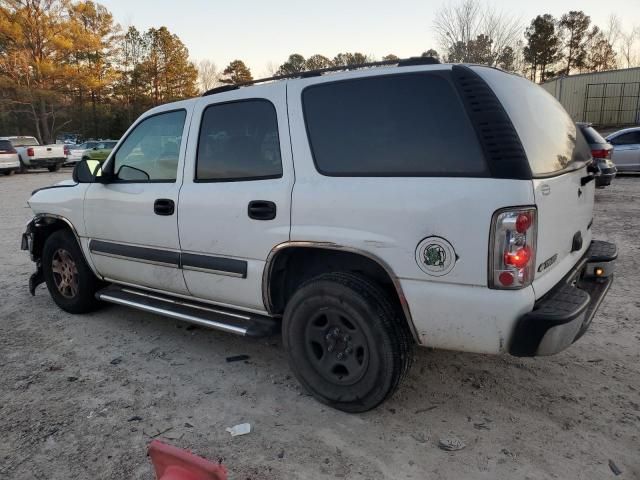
[(30, 239)]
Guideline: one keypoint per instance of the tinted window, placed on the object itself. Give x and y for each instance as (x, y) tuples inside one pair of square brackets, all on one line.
[(24, 142), (152, 149), (5, 146), (398, 125), (591, 135), (630, 138), (550, 137), (239, 141)]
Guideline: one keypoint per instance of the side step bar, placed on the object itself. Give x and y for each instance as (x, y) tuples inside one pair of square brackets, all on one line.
[(210, 316)]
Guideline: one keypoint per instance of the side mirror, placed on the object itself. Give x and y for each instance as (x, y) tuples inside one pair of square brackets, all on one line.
[(86, 171), (133, 174)]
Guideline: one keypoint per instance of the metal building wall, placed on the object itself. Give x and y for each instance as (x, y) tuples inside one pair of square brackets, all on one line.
[(607, 102)]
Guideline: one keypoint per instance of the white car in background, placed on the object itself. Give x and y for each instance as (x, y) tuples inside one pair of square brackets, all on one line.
[(9, 159), (77, 151), (626, 149)]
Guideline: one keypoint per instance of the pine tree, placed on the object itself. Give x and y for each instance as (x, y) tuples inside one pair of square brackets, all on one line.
[(543, 46), (601, 55), (316, 62), (575, 27), (350, 59), (166, 71), (294, 64), (431, 53), (236, 72)]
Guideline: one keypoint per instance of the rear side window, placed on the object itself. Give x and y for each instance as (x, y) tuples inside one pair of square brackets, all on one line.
[(630, 138), (591, 135), (239, 141), (391, 125), (550, 137)]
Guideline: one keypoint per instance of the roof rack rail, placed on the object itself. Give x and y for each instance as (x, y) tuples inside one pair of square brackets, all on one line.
[(406, 62)]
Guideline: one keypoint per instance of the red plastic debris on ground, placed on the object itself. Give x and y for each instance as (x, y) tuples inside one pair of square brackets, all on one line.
[(172, 463)]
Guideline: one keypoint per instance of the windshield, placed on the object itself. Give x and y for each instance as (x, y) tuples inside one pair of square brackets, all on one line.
[(24, 142)]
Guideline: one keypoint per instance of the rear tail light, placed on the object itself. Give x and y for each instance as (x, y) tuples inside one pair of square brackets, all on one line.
[(31, 152), (512, 254), (601, 153), (66, 150)]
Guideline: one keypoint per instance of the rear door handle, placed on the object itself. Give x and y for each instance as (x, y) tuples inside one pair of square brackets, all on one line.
[(164, 207), (262, 210)]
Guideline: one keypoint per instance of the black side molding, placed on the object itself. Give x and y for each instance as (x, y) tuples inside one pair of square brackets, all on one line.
[(192, 261), (186, 261), (498, 138), (143, 254)]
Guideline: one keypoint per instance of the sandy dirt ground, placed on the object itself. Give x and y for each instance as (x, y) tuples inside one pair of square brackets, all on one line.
[(82, 396)]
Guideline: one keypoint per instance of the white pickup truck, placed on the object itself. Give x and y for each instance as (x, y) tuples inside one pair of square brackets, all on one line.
[(34, 155)]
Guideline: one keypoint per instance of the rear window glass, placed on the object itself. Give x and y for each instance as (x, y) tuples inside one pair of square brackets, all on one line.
[(391, 125), (551, 139), (24, 142), (591, 135), (5, 145)]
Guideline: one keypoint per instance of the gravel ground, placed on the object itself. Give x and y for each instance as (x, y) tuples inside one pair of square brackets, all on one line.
[(82, 396)]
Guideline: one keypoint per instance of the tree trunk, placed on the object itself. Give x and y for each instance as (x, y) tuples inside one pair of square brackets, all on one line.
[(44, 123), (569, 57), (36, 122), (95, 114)]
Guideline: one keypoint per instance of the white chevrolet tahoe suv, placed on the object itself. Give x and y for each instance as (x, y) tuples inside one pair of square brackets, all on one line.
[(360, 213)]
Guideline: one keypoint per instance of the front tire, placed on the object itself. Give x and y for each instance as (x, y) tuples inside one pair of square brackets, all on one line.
[(347, 344), (69, 279)]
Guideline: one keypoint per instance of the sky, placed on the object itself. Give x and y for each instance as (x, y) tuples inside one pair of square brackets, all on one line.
[(259, 32)]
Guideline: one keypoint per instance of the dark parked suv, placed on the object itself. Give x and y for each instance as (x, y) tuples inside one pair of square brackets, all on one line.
[(601, 151)]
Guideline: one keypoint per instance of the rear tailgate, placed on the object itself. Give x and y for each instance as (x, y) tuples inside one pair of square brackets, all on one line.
[(565, 215), (44, 152), (558, 156)]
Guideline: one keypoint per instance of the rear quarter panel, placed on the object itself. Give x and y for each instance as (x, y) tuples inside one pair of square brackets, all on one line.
[(388, 217)]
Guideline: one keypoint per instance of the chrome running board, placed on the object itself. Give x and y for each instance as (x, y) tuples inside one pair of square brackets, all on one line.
[(218, 318)]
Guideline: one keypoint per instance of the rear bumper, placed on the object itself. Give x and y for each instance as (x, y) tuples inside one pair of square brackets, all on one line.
[(45, 162), (564, 314), (9, 164), (605, 177)]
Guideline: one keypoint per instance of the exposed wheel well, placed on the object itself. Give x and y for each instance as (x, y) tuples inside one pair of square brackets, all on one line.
[(293, 266), (42, 228)]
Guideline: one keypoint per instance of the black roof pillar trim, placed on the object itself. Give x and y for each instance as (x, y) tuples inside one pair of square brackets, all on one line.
[(498, 138)]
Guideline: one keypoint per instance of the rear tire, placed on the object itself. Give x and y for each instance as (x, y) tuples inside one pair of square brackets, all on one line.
[(9, 172), (347, 344), (54, 168), (69, 279), (23, 167)]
